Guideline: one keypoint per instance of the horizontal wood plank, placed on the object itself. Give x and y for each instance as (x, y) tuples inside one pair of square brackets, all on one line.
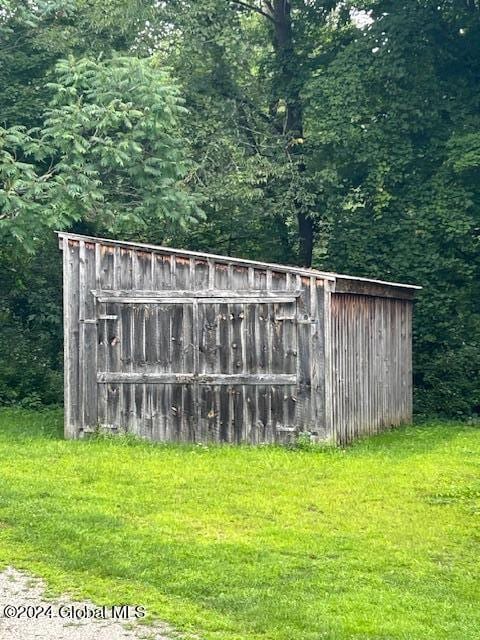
[(107, 377), (197, 293), (284, 299)]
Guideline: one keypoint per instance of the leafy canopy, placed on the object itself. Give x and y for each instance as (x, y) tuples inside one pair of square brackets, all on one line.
[(109, 151)]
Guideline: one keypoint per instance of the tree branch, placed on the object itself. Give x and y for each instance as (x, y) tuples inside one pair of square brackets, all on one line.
[(269, 6), (253, 8)]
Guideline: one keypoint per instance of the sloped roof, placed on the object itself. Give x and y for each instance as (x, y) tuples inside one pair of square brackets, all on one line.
[(345, 281)]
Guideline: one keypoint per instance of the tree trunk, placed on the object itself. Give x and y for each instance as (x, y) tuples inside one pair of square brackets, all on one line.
[(288, 86), (305, 233)]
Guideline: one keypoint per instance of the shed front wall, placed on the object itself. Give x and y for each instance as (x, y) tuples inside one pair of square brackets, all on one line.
[(186, 368), (371, 364)]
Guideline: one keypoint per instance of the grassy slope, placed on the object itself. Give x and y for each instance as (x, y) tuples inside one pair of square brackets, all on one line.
[(380, 541)]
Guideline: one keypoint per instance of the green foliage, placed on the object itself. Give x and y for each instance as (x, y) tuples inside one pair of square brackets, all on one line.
[(397, 125), (31, 325), (386, 167), (450, 381), (114, 127), (111, 144), (252, 543), (35, 35), (247, 172)]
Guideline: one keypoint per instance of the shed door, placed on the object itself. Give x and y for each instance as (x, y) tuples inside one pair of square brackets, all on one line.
[(198, 365)]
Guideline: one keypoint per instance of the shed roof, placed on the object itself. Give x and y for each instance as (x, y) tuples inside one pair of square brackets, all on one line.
[(341, 283)]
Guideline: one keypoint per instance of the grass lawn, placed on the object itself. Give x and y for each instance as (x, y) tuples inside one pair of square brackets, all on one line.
[(380, 541)]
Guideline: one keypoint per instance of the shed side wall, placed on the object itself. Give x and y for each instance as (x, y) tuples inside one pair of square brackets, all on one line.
[(371, 364)]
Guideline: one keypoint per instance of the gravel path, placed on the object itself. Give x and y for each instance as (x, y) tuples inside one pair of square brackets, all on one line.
[(18, 591)]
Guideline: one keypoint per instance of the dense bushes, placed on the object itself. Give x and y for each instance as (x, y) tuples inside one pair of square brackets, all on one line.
[(31, 326)]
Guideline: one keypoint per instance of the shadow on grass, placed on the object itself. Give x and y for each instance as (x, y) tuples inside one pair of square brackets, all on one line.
[(19, 424), (410, 440)]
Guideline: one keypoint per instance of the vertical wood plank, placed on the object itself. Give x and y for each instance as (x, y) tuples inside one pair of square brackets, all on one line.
[(90, 416), (315, 356), (81, 334), (114, 392), (105, 255), (370, 362), (214, 421), (71, 338)]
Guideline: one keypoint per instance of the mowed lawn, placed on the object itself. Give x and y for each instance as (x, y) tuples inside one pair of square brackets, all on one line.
[(379, 541)]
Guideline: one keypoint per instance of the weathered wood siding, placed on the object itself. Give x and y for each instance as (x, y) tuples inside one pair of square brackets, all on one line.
[(371, 363), (179, 348)]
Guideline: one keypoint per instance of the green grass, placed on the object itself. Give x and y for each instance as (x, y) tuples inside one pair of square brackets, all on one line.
[(380, 541)]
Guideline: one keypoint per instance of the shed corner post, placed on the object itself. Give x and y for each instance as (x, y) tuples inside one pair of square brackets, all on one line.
[(69, 428), (410, 362), (328, 346)]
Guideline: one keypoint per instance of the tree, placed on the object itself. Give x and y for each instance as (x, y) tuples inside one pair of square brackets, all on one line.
[(58, 175), (35, 35), (109, 152), (396, 116), (243, 67)]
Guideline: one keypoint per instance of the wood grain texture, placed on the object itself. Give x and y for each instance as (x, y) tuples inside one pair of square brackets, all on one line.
[(183, 347), (371, 364), (71, 337), (252, 295)]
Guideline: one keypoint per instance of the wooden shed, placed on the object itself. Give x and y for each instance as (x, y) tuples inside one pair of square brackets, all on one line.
[(175, 345)]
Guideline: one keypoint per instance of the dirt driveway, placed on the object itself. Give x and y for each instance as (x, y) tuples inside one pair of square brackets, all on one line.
[(25, 614)]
